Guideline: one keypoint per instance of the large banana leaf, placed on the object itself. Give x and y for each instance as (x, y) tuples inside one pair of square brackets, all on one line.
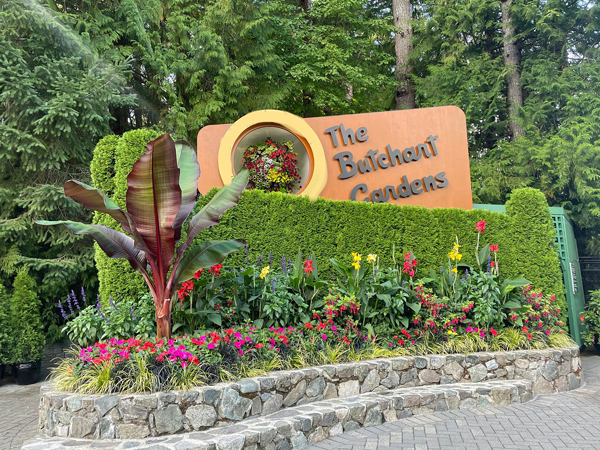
[(153, 200), (205, 255), (209, 215), (92, 198), (189, 171), (114, 243)]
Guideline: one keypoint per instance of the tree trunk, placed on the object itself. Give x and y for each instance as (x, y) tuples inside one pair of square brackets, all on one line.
[(305, 4), (405, 94), (512, 62)]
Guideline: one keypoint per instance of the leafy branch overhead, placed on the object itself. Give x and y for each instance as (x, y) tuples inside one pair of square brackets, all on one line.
[(161, 195)]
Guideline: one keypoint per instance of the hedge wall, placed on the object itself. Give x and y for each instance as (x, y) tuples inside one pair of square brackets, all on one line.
[(285, 224), (114, 157)]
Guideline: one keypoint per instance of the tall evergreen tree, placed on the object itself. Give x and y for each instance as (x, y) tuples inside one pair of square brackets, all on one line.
[(512, 64), (405, 94), (55, 96)]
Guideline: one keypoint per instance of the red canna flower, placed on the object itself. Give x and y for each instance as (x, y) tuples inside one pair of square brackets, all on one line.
[(480, 227), (216, 269)]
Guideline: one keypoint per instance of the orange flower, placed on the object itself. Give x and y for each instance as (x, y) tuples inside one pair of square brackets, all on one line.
[(582, 317)]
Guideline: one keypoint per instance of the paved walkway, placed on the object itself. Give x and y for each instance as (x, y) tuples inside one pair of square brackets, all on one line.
[(18, 413), (559, 421)]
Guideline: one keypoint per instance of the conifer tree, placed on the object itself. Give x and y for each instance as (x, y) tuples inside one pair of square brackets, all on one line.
[(55, 95), (26, 323)]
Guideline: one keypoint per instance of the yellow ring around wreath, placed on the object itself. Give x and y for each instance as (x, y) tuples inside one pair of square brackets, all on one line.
[(290, 122)]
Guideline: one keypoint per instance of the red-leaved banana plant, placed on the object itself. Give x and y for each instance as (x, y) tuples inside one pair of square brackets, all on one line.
[(161, 194)]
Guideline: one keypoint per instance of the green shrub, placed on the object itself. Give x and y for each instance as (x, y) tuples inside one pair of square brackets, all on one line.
[(26, 321), (533, 250), (114, 157), (591, 318), (120, 320), (6, 338)]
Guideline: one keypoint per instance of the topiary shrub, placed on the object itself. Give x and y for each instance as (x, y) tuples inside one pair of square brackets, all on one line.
[(533, 248), (26, 322), (114, 157)]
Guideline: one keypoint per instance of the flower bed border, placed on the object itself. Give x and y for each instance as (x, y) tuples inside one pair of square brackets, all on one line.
[(136, 416)]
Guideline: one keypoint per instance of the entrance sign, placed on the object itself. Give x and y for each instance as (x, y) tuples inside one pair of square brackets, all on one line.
[(412, 157)]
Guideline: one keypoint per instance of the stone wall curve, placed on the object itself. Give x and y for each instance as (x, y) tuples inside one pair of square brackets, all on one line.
[(129, 416)]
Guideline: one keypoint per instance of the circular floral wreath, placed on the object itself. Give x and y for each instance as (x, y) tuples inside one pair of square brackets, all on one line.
[(273, 166)]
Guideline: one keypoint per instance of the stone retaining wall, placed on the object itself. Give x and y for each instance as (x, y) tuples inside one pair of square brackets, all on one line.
[(165, 413)]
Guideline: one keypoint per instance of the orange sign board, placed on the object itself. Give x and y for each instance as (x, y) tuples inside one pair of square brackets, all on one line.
[(413, 157)]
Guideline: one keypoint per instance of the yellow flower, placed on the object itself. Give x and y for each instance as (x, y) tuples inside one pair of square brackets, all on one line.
[(456, 246), (265, 271), (458, 256), (452, 255), (356, 256), (371, 258), (452, 333), (356, 265), (455, 270)]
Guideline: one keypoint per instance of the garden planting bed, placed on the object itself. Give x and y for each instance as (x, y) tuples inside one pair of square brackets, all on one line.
[(137, 416)]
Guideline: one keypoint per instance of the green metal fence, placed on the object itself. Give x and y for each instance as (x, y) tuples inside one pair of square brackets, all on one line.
[(566, 247)]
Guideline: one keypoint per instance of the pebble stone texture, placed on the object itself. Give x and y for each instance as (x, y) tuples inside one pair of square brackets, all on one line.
[(168, 413)]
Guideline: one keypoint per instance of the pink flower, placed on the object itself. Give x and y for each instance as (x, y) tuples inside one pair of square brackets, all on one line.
[(324, 337), (334, 328), (210, 346)]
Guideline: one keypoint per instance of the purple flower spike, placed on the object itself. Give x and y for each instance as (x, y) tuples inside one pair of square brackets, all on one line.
[(98, 308), (283, 267), (133, 314), (62, 311), (75, 300), (112, 303), (69, 304), (271, 259), (247, 250)]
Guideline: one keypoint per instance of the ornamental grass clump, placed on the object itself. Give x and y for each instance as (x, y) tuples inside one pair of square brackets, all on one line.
[(161, 194)]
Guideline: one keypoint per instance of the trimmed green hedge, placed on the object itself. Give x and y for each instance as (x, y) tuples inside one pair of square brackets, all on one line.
[(284, 224), (114, 157)]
